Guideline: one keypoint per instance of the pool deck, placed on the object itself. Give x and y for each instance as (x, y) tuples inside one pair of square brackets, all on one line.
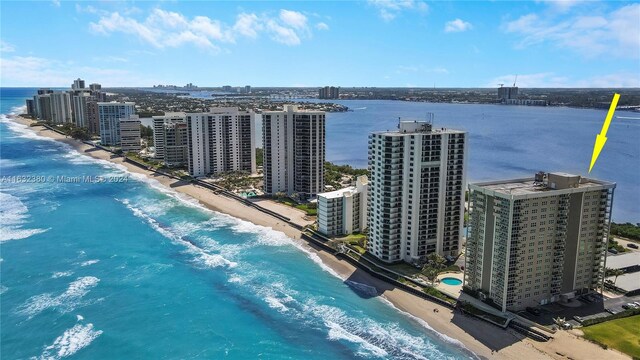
[(451, 290)]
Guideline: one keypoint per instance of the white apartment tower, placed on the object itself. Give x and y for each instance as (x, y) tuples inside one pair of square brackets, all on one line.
[(537, 240), (60, 107), (344, 211), (80, 111), (170, 138), (294, 151), (109, 116), (416, 192), (130, 133), (221, 140)]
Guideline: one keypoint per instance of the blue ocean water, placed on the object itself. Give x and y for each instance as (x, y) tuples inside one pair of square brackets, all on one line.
[(134, 270)]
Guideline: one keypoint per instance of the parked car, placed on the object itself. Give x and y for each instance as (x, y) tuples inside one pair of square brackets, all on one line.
[(632, 245), (613, 251), (534, 311), (629, 306)]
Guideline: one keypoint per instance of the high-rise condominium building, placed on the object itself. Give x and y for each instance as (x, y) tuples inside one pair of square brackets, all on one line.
[(109, 115), (329, 92), (294, 151), (93, 117), (537, 240), (344, 211), (416, 192), (221, 140), (60, 107), (77, 84), (170, 138), (130, 133), (79, 105)]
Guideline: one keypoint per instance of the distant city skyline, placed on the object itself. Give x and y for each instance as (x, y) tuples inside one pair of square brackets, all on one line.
[(377, 43)]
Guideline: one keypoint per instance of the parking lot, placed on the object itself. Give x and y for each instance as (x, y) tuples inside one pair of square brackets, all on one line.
[(584, 306)]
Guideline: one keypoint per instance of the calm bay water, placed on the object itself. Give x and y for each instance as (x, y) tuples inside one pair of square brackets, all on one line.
[(134, 270), (508, 141)]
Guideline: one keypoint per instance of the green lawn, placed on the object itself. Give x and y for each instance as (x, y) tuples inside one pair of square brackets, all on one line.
[(620, 334)]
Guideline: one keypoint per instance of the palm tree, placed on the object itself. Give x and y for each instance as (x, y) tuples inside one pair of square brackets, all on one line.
[(436, 261), (615, 273)]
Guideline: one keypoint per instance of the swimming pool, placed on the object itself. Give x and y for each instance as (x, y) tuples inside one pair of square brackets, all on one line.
[(451, 281)]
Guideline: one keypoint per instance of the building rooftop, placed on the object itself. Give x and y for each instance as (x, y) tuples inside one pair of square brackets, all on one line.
[(628, 282), (622, 261), (338, 193), (416, 126), (551, 182)]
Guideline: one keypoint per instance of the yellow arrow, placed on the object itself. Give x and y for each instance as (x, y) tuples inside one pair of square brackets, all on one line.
[(601, 138)]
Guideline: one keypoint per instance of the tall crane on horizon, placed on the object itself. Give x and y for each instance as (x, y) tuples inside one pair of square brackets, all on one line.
[(514, 81)]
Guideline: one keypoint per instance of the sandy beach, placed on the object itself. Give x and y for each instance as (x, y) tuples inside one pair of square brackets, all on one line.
[(483, 339)]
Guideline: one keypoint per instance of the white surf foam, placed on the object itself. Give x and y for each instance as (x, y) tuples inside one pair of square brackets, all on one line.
[(203, 258), (13, 214), (3, 289), (89, 262), (65, 302), (60, 274), (23, 131), (71, 341), (426, 325)]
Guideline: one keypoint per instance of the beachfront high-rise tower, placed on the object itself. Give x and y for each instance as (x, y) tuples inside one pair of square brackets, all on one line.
[(109, 116), (416, 192), (170, 138), (294, 151), (537, 240), (221, 140)]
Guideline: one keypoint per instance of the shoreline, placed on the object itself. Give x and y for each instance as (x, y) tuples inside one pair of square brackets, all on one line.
[(481, 338)]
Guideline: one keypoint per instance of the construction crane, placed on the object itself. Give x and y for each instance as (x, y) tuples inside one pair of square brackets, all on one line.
[(514, 81)]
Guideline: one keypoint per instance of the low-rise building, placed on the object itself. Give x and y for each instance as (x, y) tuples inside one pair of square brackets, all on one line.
[(344, 211)]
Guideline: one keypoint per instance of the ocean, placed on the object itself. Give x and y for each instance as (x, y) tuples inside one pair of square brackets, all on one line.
[(131, 269)]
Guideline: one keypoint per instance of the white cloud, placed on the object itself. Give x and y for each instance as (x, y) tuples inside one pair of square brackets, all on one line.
[(293, 19), (551, 80), (282, 34), (31, 71), (322, 26), (561, 5), (248, 25), (390, 9), (614, 33), (167, 29), (6, 47), (457, 25), (56, 3)]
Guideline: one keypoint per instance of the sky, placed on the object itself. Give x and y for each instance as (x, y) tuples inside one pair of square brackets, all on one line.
[(381, 43)]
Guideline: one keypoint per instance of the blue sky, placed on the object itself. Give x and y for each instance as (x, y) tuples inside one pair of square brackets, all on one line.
[(312, 43)]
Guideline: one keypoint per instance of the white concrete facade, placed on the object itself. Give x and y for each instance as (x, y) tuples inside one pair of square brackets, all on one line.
[(109, 115), (221, 140), (344, 211), (294, 151), (416, 192)]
